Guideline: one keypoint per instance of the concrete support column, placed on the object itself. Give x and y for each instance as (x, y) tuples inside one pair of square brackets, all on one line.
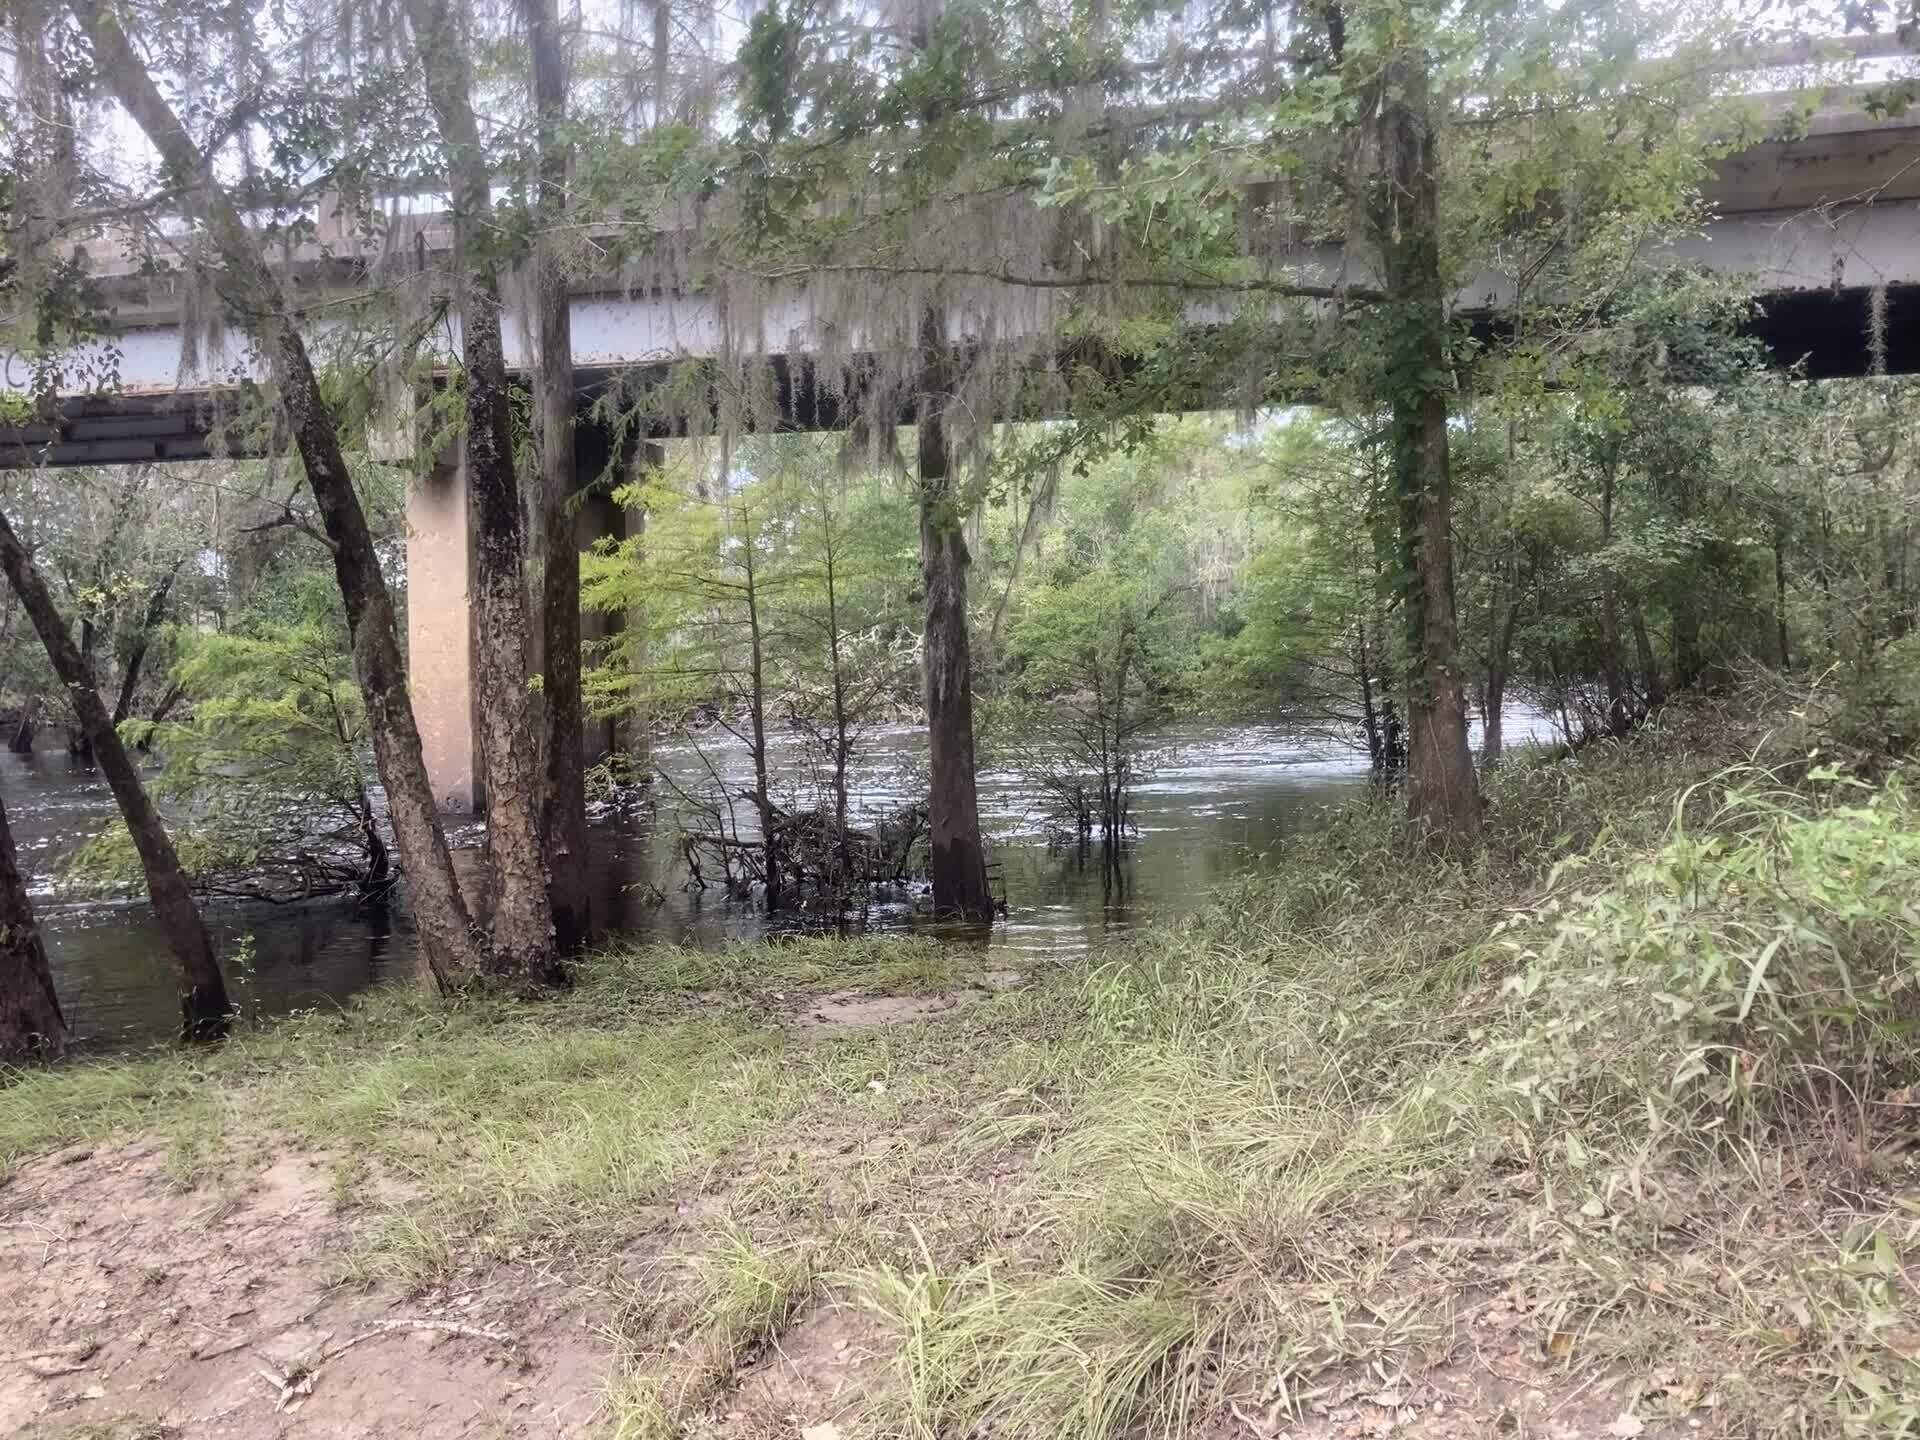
[(440, 634), (440, 668)]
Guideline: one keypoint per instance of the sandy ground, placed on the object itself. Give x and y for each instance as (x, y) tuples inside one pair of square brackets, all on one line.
[(131, 1307), (134, 1309)]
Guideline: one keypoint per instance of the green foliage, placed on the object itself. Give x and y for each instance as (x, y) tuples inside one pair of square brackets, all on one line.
[(1114, 593), (1323, 1076), (1893, 703), (1313, 628), (1768, 956), (271, 772), (679, 582)]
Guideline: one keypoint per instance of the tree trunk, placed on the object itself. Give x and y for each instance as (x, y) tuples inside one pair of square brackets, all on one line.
[(21, 742), (1499, 650), (1650, 683), (1688, 662), (1785, 653), (757, 716), (203, 994), (842, 724), (31, 1025), (1443, 793), (447, 939), (1493, 727), (379, 863), (522, 949), (958, 861), (156, 612), (564, 796), (162, 708), (1613, 664)]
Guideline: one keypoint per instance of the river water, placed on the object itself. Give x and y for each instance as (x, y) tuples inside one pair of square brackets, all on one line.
[(1216, 801)]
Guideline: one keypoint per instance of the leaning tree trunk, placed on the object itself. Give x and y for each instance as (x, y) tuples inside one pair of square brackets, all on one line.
[(31, 1025), (564, 795), (522, 951), (447, 939), (203, 994), (1443, 792), (958, 861)]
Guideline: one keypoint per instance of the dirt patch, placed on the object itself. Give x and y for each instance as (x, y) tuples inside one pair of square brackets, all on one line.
[(851, 1008), (819, 1369), (858, 1008), (1472, 1394), (130, 1302), (1459, 1403)]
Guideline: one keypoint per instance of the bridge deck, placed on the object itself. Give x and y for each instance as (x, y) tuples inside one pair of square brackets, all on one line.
[(1816, 223)]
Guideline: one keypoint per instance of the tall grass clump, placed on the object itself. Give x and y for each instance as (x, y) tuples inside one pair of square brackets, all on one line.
[(1762, 958), (1654, 967)]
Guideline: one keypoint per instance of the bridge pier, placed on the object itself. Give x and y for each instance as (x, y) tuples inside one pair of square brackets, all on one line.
[(440, 634)]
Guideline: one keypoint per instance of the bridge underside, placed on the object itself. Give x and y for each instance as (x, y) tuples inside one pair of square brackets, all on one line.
[(1825, 333)]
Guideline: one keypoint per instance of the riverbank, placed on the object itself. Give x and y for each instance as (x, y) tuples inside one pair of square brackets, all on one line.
[(1602, 1133), (1222, 796)]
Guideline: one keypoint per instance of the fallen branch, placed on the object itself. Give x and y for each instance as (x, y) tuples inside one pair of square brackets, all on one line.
[(388, 1327), (49, 1369), (55, 1359), (80, 1351)]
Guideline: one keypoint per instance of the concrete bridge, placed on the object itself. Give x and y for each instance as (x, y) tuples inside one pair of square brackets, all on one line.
[(1818, 224)]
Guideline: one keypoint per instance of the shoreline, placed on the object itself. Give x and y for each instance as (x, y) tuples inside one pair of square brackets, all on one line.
[(1370, 1146)]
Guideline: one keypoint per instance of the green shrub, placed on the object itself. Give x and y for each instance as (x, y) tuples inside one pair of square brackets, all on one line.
[(1770, 953)]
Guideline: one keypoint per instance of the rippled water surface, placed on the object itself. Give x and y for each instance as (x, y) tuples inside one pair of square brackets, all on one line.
[(1217, 799)]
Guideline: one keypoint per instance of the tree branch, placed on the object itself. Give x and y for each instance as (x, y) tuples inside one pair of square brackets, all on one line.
[(287, 520)]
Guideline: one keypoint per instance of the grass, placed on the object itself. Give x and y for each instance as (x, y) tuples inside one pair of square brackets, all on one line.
[(1618, 1096), (732, 1294), (486, 1125)]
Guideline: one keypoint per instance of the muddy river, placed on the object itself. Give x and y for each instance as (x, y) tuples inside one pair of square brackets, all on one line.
[(1213, 806)]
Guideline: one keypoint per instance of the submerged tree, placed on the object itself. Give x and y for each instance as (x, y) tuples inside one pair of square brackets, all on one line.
[(957, 862), (31, 1025), (1314, 612), (1105, 630), (769, 602), (700, 579), (204, 1007)]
